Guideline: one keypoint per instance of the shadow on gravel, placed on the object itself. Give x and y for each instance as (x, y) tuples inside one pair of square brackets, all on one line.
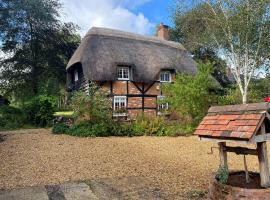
[(2, 138)]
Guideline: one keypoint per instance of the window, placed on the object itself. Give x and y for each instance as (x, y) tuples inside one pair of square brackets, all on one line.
[(165, 76), (119, 105), (76, 75), (123, 73), (163, 106)]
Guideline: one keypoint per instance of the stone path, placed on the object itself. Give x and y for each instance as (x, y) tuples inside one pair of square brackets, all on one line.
[(118, 188)]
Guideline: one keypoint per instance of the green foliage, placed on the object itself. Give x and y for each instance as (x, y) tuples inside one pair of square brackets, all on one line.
[(150, 126), (60, 128), (40, 110), (95, 107), (222, 175), (92, 113), (233, 95), (237, 31), (189, 96), (84, 129), (39, 46), (11, 118)]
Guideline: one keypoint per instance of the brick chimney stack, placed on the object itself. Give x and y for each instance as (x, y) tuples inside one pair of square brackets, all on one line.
[(163, 32)]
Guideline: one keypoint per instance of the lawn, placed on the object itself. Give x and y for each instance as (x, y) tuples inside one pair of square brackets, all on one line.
[(63, 114), (177, 165)]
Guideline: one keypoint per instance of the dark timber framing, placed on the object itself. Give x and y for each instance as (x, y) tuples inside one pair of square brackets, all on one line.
[(143, 95)]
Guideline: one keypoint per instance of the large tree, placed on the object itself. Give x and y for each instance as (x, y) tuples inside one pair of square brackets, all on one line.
[(237, 30), (36, 46)]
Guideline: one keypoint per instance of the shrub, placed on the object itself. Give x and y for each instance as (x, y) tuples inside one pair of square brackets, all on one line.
[(11, 118), (40, 110), (222, 175), (81, 130), (189, 97), (145, 125), (95, 107), (233, 95), (60, 128)]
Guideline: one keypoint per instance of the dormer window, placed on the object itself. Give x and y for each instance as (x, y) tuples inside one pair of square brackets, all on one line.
[(165, 76), (76, 75), (123, 73)]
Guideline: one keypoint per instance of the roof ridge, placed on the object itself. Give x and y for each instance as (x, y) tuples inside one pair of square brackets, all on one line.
[(134, 36)]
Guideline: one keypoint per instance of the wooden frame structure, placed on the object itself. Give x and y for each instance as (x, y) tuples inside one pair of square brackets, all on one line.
[(244, 124)]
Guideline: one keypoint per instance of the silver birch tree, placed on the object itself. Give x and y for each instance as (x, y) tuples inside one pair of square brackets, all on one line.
[(238, 30)]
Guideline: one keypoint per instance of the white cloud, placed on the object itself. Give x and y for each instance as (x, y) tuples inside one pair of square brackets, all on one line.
[(115, 14)]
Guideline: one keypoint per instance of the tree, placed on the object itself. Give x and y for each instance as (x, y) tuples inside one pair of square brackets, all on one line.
[(38, 46), (237, 30)]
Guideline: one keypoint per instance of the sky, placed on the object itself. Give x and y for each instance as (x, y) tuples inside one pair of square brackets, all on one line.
[(137, 16)]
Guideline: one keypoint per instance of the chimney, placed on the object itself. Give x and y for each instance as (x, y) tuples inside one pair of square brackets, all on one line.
[(163, 32)]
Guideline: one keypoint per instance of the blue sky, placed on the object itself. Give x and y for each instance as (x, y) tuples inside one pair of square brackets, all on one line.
[(158, 11), (138, 16)]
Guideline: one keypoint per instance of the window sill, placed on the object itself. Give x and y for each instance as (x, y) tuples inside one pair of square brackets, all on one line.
[(119, 114), (165, 81), (123, 79)]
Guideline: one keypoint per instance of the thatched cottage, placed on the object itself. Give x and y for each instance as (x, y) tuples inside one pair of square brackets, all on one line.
[(129, 66)]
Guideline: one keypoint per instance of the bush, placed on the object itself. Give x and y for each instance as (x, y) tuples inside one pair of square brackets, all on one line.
[(11, 118), (40, 110), (94, 108), (222, 175), (233, 95), (84, 129), (189, 97), (60, 128), (150, 126)]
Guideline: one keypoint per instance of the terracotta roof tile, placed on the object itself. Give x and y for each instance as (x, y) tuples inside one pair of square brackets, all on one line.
[(246, 128), (235, 126), (250, 116), (252, 123), (203, 132), (229, 117), (238, 123)]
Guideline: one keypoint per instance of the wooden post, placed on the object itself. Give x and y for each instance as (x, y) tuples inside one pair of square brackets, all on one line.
[(263, 160), (223, 154)]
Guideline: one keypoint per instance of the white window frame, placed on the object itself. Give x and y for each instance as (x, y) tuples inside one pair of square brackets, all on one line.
[(119, 99), (76, 75), (162, 74), (162, 106), (122, 69)]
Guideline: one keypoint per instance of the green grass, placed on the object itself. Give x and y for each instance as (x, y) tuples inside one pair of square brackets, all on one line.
[(63, 114)]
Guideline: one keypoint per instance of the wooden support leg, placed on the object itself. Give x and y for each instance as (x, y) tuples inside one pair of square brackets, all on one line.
[(263, 160), (263, 164), (223, 154)]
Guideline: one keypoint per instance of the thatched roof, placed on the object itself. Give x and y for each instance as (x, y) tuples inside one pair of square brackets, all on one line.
[(102, 49)]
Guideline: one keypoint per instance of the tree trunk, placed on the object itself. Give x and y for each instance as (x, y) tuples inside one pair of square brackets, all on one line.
[(244, 98)]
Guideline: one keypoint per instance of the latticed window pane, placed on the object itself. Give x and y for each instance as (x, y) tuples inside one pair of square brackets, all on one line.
[(123, 73), (165, 76), (120, 102), (163, 106)]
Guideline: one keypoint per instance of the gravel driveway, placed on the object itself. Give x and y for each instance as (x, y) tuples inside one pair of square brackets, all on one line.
[(178, 165)]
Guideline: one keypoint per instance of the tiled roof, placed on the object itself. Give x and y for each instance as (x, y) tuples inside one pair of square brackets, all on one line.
[(224, 122)]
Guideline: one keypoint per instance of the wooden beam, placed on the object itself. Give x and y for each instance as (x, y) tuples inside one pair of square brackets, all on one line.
[(241, 107), (261, 138), (263, 161), (135, 84), (225, 140), (149, 87), (223, 155), (241, 150)]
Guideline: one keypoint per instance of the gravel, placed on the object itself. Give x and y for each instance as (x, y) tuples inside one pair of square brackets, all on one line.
[(175, 164)]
